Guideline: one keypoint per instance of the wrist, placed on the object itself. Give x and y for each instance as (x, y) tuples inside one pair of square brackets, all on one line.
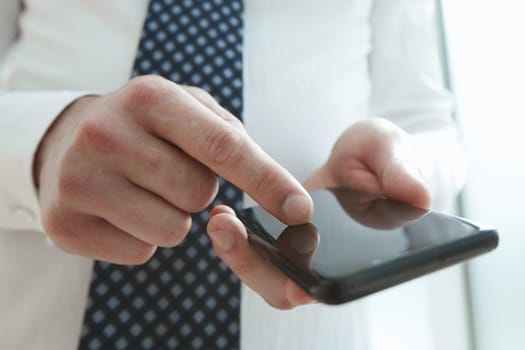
[(63, 124)]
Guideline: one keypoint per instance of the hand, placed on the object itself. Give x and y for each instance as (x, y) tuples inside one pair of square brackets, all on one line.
[(230, 242), (372, 156), (119, 174), (376, 157)]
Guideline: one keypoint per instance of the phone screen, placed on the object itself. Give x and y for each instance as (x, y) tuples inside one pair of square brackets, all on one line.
[(351, 233)]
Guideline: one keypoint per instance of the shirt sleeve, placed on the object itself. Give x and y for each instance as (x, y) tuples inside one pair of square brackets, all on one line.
[(407, 80), (24, 119)]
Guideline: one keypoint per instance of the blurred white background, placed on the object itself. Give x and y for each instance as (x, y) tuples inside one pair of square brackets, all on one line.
[(486, 41), (480, 306)]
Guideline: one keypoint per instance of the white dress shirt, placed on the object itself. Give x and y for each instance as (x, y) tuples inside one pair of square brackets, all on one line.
[(312, 68)]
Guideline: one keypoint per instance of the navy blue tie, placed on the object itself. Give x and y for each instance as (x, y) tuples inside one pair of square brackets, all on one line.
[(185, 297)]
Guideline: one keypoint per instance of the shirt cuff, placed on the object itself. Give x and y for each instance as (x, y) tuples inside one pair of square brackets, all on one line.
[(24, 119)]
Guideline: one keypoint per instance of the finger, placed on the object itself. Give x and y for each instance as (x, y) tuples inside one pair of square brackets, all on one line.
[(168, 172), (151, 163), (142, 214), (182, 120), (297, 294), (219, 209), (299, 244), (231, 244), (146, 216), (320, 178), (207, 100), (96, 239), (402, 182), (396, 165), (388, 152)]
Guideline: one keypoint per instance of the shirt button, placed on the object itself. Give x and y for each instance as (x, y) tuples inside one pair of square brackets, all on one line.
[(23, 217)]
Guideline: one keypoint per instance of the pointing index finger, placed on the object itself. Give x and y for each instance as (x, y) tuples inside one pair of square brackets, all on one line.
[(185, 122)]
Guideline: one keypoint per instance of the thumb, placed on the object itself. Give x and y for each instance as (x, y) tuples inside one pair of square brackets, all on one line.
[(403, 182)]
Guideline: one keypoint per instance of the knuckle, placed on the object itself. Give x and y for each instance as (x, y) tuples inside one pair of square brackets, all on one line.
[(140, 255), (145, 91), (263, 178), (225, 146), (154, 162), (95, 134), (69, 187), (204, 193), (190, 185), (382, 128), (177, 232), (52, 224), (60, 232)]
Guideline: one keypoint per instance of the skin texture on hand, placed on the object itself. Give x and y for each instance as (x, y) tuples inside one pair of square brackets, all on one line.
[(230, 241), (120, 174), (373, 156), (377, 157)]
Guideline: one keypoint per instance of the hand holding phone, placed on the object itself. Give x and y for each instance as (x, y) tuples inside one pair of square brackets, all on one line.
[(357, 244)]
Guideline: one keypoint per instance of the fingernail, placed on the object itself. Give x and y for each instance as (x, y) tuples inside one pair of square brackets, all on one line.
[(223, 239), (297, 209)]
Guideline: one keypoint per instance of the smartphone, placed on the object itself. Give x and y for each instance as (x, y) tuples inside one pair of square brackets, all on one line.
[(357, 244)]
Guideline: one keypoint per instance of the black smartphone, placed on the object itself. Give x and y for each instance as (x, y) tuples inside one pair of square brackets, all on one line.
[(357, 244)]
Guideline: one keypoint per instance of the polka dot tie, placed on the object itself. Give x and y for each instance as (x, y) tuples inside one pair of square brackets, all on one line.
[(184, 297)]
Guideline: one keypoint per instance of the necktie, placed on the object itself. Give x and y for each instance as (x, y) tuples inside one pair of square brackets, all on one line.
[(184, 297)]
